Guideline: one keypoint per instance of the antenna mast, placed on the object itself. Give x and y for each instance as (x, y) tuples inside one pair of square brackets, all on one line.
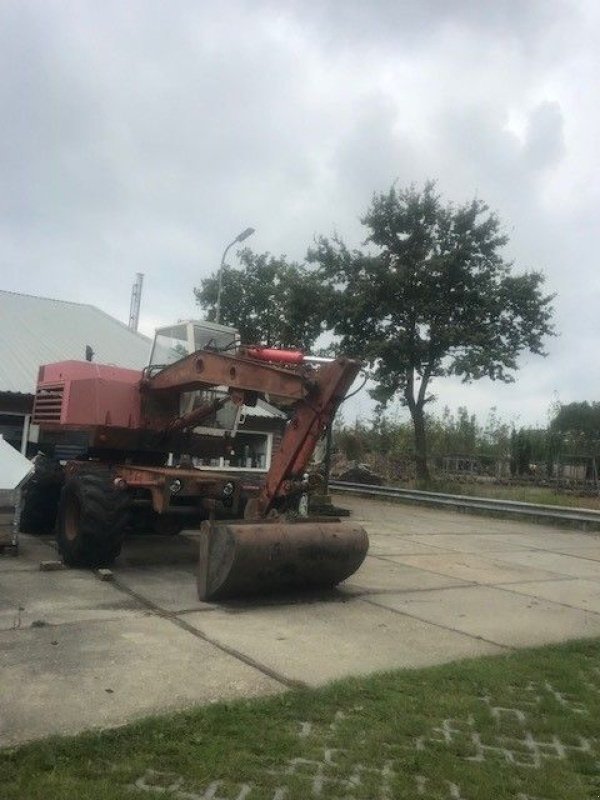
[(136, 300)]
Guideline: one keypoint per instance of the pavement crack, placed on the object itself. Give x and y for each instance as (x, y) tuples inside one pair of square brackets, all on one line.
[(546, 599), (439, 625), (171, 616), (574, 555), (366, 592), (554, 579)]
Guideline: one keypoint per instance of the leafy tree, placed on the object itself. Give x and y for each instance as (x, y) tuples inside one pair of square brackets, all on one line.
[(496, 434), (578, 424), (580, 419), (530, 448), (521, 452), (431, 296), (353, 441), (269, 300), (453, 434)]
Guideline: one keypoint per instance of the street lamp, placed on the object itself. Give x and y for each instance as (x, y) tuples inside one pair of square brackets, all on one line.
[(239, 238)]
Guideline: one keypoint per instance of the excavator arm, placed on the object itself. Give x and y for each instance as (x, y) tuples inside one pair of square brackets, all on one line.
[(267, 552), (316, 393), (207, 369), (311, 418)]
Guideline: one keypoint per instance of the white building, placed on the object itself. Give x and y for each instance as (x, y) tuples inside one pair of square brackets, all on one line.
[(39, 330)]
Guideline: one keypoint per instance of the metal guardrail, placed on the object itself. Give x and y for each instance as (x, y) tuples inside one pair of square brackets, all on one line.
[(582, 518)]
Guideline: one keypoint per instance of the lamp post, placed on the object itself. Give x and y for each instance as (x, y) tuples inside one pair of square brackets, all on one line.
[(239, 238)]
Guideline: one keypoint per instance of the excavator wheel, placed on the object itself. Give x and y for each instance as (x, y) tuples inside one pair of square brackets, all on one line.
[(93, 518), (272, 556), (39, 497)]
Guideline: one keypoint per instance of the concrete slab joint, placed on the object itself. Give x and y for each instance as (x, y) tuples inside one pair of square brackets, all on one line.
[(436, 586)]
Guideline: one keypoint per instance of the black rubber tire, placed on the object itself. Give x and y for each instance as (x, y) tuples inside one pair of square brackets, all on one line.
[(40, 497), (93, 518)]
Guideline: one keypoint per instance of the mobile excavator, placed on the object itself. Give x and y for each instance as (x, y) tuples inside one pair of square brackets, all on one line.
[(133, 439)]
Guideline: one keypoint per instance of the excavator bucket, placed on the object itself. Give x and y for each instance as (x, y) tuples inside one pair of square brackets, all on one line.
[(245, 558)]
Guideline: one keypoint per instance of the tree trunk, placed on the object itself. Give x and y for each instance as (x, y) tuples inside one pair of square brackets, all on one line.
[(418, 418)]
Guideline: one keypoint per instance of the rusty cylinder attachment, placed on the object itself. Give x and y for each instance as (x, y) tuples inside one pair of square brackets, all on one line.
[(250, 558)]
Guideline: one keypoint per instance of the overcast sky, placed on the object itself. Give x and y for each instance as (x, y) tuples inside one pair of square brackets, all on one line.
[(143, 136)]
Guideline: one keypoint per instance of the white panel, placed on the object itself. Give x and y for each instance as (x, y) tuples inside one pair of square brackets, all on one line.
[(14, 467)]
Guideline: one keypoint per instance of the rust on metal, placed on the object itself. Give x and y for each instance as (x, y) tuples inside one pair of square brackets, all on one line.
[(192, 482), (244, 558), (196, 416), (308, 424), (205, 368), (158, 480)]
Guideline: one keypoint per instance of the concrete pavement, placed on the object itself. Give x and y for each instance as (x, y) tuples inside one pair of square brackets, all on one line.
[(78, 653)]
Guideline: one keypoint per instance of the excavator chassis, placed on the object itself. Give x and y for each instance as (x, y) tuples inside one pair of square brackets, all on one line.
[(126, 423), (236, 557)]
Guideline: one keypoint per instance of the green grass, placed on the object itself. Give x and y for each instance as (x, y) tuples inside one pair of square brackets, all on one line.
[(436, 733), (527, 494)]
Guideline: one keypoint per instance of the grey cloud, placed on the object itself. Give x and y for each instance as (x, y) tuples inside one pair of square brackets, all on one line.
[(370, 154), (545, 144), (142, 136), (474, 139), (392, 22), (105, 144)]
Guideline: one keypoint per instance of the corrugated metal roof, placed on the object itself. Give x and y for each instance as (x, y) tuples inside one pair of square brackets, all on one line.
[(37, 330)]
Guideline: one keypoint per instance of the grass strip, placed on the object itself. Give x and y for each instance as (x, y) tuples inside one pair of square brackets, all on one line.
[(524, 726), (538, 495)]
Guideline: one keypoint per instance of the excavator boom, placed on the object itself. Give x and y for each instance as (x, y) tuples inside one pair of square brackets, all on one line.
[(315, 393), (268, 551)]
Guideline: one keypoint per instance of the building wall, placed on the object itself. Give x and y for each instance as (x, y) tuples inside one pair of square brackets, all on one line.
[(15, 412)]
